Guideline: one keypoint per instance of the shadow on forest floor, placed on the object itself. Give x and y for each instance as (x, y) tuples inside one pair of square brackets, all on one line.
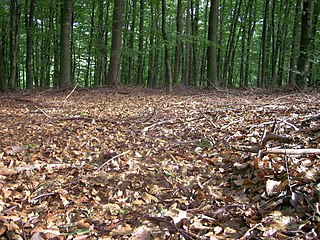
[(144, 164)]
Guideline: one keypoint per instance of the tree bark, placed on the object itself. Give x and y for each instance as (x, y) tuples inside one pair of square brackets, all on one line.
[(3, 77), (178, 47), (113, 77), (212, 75), (141, 40), (65, 57), (29, 45), (168, 75), (88, 70), (14, 42), (186, 70), (303, 65), (131, 59)]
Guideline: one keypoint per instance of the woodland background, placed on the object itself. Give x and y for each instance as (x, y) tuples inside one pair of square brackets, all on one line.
[(243, 43), (134, 162)]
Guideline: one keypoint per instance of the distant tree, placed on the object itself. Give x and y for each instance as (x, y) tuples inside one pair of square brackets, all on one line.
[(212, 69), (303, 65), (132, 34), (295, 44), (3, 78), (101, 45), (113, 77), (29, 44), (264, 60), (186, 70), (168, 74), (65, 57), (88, 72), (141, 44), (178, 46), (152, 66), (15, 11)]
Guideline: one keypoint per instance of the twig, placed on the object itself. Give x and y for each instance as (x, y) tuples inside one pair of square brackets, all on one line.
[(247, 233), (157, 123), (186, 235), (71, 92), (230, 123), (268, 136), (88, 119), (256, 149), (65, 100), (106, 162), (44, 112)]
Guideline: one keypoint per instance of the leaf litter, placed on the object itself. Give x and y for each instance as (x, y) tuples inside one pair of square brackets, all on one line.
[(133, 163)]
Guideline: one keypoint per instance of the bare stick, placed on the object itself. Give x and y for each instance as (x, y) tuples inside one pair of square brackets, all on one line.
[(71, 92), (106, 162), (44, 112), (279, 150)]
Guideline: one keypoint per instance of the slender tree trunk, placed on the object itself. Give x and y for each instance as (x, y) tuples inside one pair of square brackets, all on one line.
[(186, 70), (178, 47), (303, 65), (131, 59), (295, 44), (141, 40), (231, 46), (29, 44), (152, 46), (168, 75), (264, 53), (114, 65), (195, 73), (65, 38), (3, 79), (88, 70), (3, 40), (101, 45), (14, 42), (212, 74)]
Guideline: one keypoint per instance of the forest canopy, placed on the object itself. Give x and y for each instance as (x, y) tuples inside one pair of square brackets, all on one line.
[(159, 43)]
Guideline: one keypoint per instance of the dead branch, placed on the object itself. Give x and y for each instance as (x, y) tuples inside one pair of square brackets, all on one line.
[(257, 149), (106, 162), (268, 136), (88, 119)]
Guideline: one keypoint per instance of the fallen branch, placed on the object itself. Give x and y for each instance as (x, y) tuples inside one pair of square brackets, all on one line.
[(171, 121), (43, 111), (106, 162), (87, 119), (257, 149), (268, 136)]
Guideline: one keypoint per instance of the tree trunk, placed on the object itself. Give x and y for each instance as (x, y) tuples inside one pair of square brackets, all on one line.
[(295, 44), (303, 65), (14, 42), (88, 70), (168, 76), (29, 44), (186, 69), (131, 59), (212, 75), (196, 57), (178, 47), (114, 65), (141, 40), (65, 59), (264, 50), (151, 64), (3, 77)]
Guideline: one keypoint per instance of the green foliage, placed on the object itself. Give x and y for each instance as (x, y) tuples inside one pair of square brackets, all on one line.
[(92, 51)]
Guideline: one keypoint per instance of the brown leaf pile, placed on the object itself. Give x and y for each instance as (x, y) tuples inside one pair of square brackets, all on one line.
[(144, 164)]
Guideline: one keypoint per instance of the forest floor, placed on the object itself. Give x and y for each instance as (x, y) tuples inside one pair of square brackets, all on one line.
[(144, 164)]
